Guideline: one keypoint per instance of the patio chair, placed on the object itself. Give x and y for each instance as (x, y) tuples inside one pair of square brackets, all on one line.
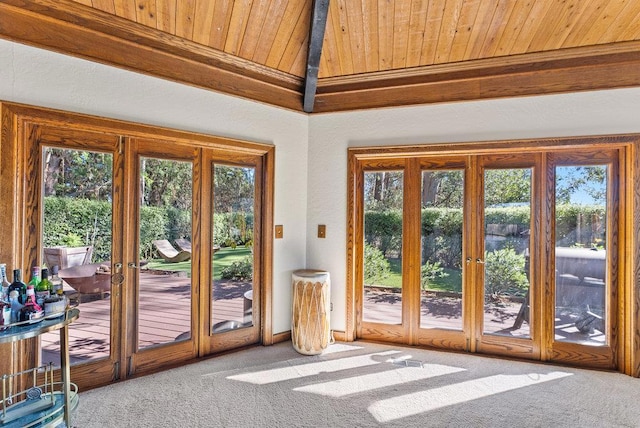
[(169, 253), (65, 257), (183, 244)]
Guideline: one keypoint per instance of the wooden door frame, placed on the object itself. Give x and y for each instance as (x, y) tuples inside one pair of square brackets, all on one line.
[(263, 166), (629, 251), (150, 359), (42, 135), (500, 344), (374, 330), (606, 357), (20, 247), (449, 339)]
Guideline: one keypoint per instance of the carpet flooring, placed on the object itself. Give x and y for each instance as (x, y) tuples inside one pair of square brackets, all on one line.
[(364, 385)]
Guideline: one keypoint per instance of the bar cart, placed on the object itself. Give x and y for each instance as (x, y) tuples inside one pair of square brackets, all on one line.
[(43, 403)]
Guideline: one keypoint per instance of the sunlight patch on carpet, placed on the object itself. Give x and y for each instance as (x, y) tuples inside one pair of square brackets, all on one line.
[(264, 377), (424, 401), (340, 347), (373, 381)]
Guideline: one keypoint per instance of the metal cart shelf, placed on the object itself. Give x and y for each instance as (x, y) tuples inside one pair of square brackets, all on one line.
[(22, 331)]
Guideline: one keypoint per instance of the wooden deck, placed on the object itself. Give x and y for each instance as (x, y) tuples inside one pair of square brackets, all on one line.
[(164, 317), (499, 317)]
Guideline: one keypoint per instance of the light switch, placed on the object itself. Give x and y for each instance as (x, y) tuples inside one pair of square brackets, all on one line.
[(322, 231), (279, 231)]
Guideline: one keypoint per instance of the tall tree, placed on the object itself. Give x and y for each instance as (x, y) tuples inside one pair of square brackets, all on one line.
[(233, 188), (383, 190), (77, 173), (166, 183), (503, 186), (442, 189)]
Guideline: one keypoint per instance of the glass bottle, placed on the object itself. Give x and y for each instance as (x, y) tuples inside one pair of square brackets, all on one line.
[(5, 315), (18, 286), (15, 294), (35, 277), (5, 307), (43, 288), (31, 311), (4, 282), (56, 283)]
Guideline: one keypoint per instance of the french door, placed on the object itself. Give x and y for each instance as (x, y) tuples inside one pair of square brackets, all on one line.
[(161, 309), (145, 198), (235, 192), (506, 253)]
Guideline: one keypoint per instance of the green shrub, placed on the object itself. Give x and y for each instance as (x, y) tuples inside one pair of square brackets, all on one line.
[(518, 215), (429, 272), (178, 223), (153, 225), (240, 270), (77, 222), (505, 273), (236, 227), (442, 236), (376, 266), (384, 230), (580, 225)]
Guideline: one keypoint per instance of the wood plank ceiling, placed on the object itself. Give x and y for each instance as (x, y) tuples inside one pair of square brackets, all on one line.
[(375, 53)]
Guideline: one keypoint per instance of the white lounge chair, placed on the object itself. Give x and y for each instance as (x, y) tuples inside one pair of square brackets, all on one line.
[(169, 253)]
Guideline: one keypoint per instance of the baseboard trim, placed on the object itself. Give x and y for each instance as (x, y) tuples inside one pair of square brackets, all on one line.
[(340, 336), (281, 337), (285, 336)]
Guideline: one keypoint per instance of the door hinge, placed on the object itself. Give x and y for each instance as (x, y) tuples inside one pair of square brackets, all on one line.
[(121, 144)]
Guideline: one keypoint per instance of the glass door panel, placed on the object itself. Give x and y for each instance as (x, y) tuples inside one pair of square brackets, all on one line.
[(581, 254), (234, 190), (77, 239), (507, 279), (441, 256), (165, 233), (383, 201)]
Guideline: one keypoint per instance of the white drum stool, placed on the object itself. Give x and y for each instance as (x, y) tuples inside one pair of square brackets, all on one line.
[(310, 326)]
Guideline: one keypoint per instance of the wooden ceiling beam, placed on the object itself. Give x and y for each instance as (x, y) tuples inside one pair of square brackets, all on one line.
[(74, 29), (318, 26), (570, 70)]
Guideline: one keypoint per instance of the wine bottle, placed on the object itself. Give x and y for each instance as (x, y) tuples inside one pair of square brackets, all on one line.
[(18, 286), (43, 288), (31, 311)]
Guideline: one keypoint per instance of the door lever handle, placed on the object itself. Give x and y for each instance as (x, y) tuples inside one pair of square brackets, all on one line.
[(480, 261), (132, 265)]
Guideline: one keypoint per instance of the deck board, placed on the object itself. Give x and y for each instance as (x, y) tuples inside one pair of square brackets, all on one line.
[(164, 314)]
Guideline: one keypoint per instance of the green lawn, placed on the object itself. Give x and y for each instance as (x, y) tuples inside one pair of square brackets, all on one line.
[(452, 282), (225, 256), (221, 259)]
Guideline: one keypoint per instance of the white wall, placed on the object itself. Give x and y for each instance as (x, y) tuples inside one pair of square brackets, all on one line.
[(587, 113), (41, 78), (304, 197)]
